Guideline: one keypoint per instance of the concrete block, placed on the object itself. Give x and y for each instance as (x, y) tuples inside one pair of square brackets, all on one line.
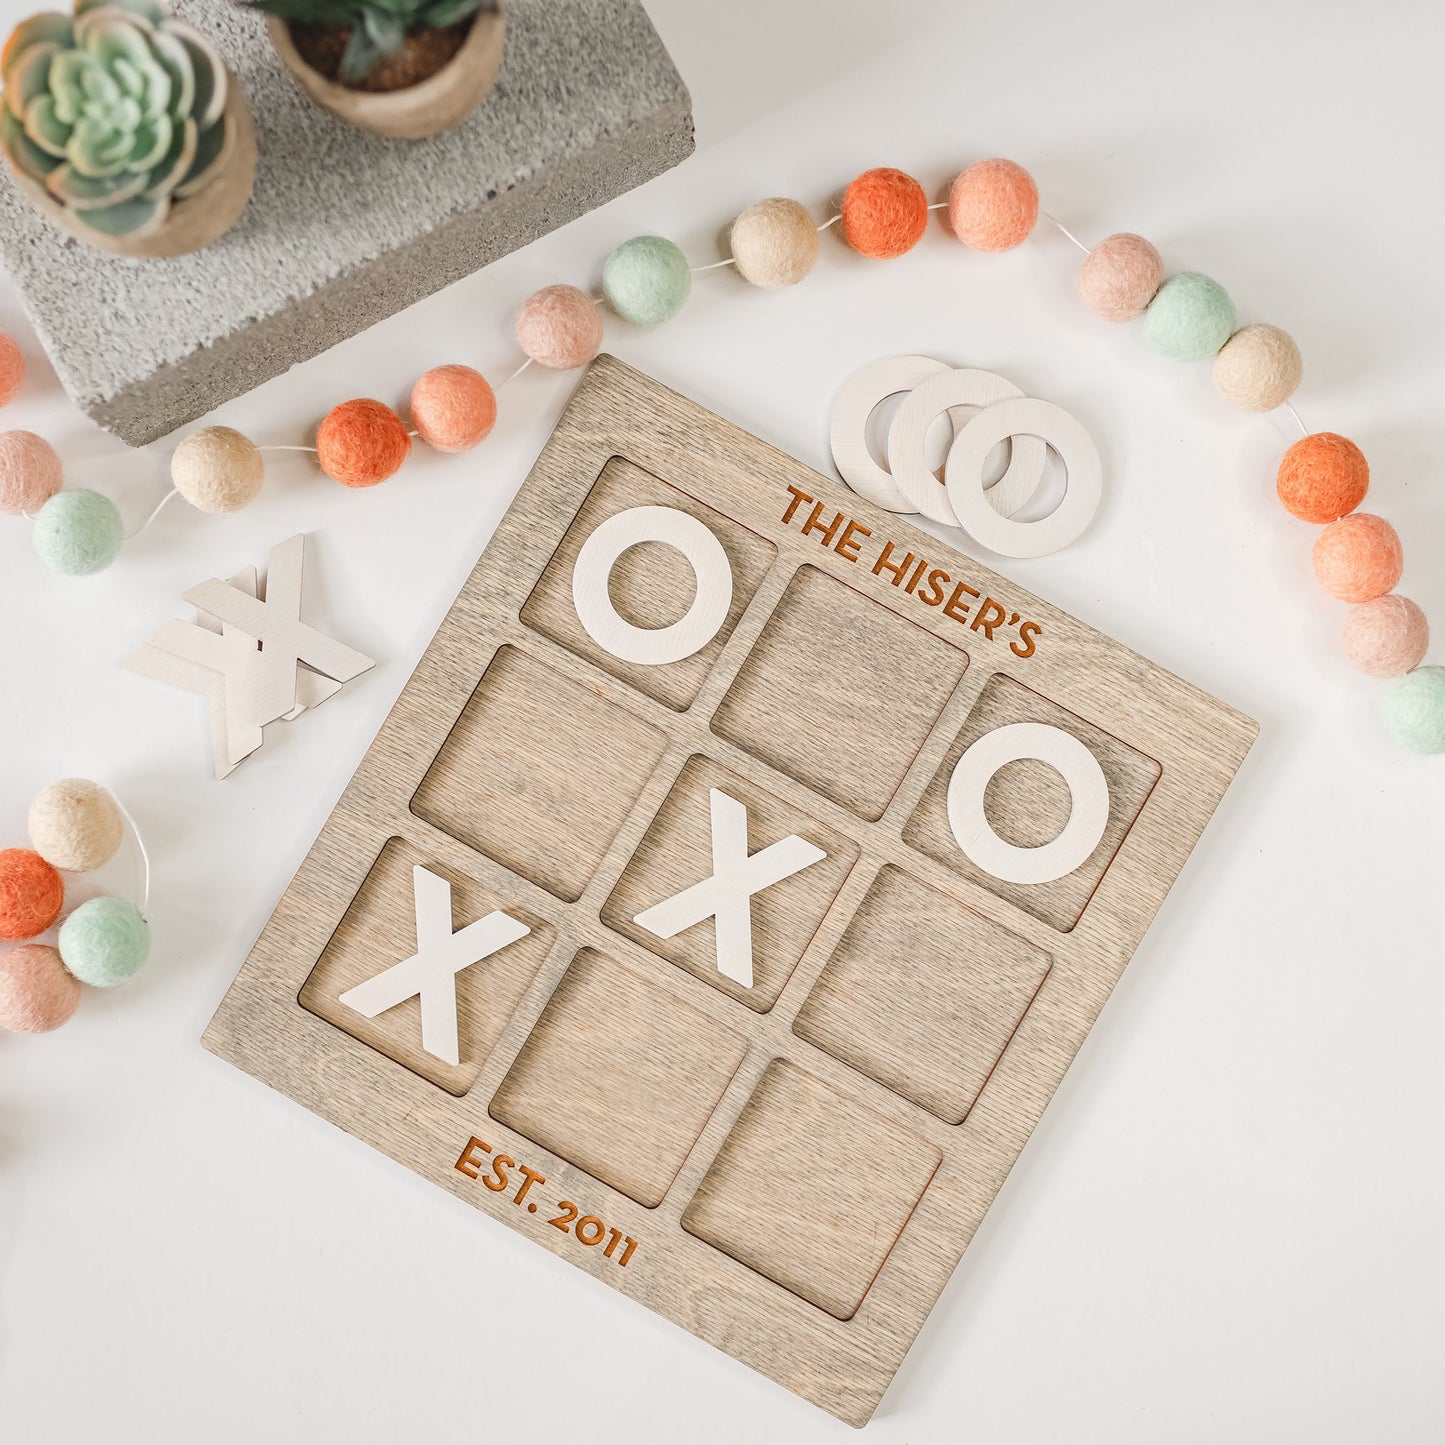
[(346, 228)]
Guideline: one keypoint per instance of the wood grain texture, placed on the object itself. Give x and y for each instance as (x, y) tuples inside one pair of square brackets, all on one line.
[(379, 929), (617, 1078), (922, 994), (538, 773), (540, 782), (1027, 803), (651, 584), (811, 1189), (676, 851), (809, 702)]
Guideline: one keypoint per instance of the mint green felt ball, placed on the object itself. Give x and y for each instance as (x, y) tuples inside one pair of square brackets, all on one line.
[(1415, 710), (104, 941), (78, 533), (646, 280), (1190, 317)]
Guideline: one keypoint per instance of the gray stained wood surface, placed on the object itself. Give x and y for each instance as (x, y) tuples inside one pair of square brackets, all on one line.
[(792, 1171)]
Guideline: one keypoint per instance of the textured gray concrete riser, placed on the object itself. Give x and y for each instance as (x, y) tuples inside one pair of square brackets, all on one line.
[(346, 228)]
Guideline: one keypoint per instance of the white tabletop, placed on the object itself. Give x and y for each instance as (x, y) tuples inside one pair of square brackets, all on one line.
[(1227, 1225)]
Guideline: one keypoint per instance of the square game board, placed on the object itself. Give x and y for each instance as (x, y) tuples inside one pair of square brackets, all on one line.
[(730, 887)]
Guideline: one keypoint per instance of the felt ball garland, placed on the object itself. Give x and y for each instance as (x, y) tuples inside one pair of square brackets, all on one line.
[(992, 205), (75, 826)]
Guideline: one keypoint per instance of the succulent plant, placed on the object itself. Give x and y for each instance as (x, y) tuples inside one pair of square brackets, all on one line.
[(115, 112), (378, 27)]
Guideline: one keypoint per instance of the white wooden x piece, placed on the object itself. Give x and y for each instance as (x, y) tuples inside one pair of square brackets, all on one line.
[(246, 655), (431, 971), (312, 689), (726, 896), (276, 624)]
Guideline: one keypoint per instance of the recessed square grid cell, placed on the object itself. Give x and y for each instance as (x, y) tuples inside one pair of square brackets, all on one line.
[(676, 853), (379, 930), (922, 994), (1027, 804), (538, 773), (811, 1189), (839, 693), (618, 1077), (651, 584)]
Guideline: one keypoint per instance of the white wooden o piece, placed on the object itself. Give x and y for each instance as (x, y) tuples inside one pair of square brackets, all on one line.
[(963, 476), (652, 646), (907, 437), (848, 425), (1088, 797)]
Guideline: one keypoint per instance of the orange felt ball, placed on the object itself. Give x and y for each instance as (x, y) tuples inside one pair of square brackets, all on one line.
[(12, 368), (1358, 557), (1322, 477), (31, 893), (993, 205), (885, 213), (453, 408), (361, 443)]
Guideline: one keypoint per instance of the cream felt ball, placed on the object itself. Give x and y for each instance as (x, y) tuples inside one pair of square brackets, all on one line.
[(1415, 710), (30, 472), (1358, 557), (1386, 636), (104, 941), (217, 469), (1118, 278), (78, 533), (774, 243), (12, 368), (76, 825), (559, 327), (1258, 368), (993, 205), (453, 408), (1190, 317), (646, 280), (37, 992)]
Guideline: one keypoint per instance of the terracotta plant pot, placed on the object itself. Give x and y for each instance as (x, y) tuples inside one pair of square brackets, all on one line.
[(436, 104), (194, 222)]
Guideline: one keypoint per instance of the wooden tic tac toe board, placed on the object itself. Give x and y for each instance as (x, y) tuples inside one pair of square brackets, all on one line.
[(700, 716)]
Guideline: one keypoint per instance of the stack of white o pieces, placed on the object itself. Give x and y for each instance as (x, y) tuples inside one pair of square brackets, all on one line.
[(985, 409)]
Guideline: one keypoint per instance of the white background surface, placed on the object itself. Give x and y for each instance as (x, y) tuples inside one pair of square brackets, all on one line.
[(1227, 1226)]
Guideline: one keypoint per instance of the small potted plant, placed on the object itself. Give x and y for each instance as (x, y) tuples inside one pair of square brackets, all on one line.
[(123, 126), (406, 68)]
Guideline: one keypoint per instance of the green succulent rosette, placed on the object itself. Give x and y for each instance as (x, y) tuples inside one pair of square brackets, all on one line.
[(114, 112)]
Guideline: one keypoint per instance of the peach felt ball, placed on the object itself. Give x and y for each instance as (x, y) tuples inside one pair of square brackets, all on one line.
[(1322, 477), (37, 992), (1358, 557), (1258, 368), (774, 243), (453, 408), (559, 327), (885, 213), (31, 893), (30, 472), (361, 443), (1386, 636), (1118, 278), (12, 369), (993, 206)]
